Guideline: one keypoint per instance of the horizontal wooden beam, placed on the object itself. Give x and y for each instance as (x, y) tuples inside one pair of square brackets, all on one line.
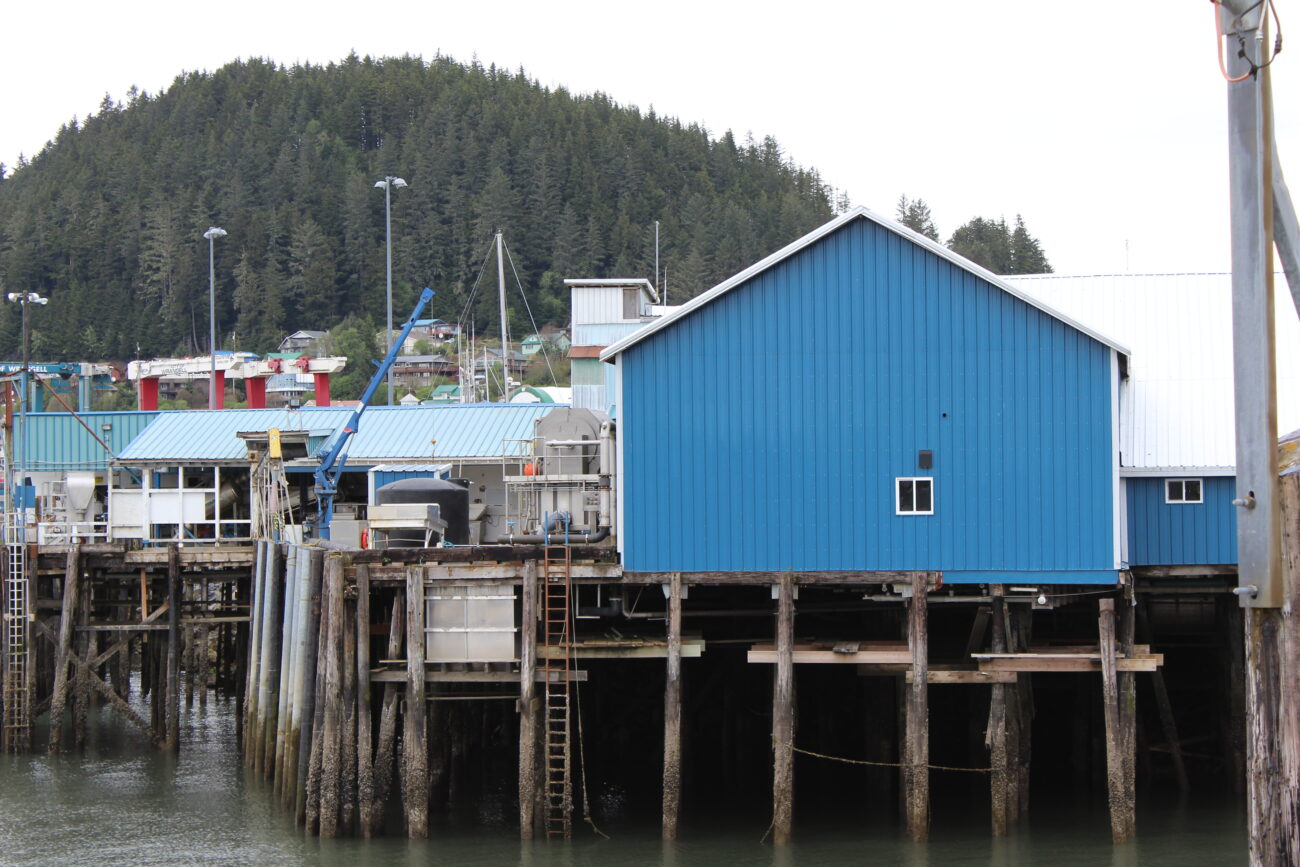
[(768, 657), (772, 577), (691, 649), (399, 676), (1150, 662), (967, 676)]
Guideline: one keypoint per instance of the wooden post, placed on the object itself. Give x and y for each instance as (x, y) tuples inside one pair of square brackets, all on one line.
[(1272, 656), (85, 649), (331, 736), (310, 679), (1120, 795), (673, 711), (415, 744), (373, 819), (254, 657), (316, 752), (1000, 781), (528, 704), (916, 774), (364, 709), (268, 690), (1020, 623), (71, 580), (348, 772), (288, 646), (1127, 683), (1163, 706), (173, 647), (783, 715)]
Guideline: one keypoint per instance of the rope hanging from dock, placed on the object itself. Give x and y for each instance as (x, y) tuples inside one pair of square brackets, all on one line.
[(888, 764)]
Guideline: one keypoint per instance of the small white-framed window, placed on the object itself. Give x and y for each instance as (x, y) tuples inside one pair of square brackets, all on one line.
[(914, 496), (1183, 491)]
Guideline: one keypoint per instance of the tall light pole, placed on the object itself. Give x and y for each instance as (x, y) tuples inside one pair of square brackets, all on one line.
[(388, 183), (212, 234), (25, 299)]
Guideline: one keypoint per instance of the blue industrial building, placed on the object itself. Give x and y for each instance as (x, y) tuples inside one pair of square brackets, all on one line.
[(932, 417)]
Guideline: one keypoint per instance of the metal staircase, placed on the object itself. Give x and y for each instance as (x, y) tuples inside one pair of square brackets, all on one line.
[(557, 620), (17, 627)]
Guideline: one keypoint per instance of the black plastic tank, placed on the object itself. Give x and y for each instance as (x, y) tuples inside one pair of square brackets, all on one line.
[(451, 497)]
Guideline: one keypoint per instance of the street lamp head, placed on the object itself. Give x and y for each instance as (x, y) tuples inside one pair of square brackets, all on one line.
[(28, 298), (390, 181), (398, 182), (214, 232)]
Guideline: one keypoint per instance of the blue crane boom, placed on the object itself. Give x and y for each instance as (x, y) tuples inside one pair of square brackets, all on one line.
[(331, 466)]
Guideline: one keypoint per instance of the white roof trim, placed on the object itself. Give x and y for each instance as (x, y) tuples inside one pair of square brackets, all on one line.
[(821, 232), (1176, 472), (626, 282)]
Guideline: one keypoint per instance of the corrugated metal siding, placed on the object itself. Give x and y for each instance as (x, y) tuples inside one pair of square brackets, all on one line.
[(887, 349), (597, 305), (1172, 534), (1177, 406), (57, 442), (603, 333)]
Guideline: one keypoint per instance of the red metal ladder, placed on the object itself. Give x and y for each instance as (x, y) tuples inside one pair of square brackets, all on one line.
[(558, 640)]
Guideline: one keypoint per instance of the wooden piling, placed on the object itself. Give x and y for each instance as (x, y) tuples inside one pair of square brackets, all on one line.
[(288, 645), (415, 745), (254, 655), (269, 674), (373, 818), (59, 697), (1020, 632), (311, 568), (528, 703), (916, 774), (1272, 697), (86, 649), (1000, 759), (364, 707), (783, 721), (348, 772), (173, 647), (314, 755), (1120, 794), (672, 789), (331, 753)]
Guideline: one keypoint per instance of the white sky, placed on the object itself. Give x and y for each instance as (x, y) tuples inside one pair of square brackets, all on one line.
[(1102, 123)]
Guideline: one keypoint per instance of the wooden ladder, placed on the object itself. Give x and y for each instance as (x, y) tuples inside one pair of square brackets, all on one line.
[(556, 664)]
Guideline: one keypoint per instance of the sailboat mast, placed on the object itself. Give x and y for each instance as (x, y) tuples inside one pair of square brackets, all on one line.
[(501, 291)]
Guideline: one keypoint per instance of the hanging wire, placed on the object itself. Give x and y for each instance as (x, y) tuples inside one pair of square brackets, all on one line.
[(1219, 37), (545, 355), (464, 313)]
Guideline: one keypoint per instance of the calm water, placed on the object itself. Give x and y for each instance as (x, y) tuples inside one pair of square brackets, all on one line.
[(123, 803)]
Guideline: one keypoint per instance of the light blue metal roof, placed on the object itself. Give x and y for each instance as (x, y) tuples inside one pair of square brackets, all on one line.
[(469, 430), (387, 433), (57, 442), (212, 435)]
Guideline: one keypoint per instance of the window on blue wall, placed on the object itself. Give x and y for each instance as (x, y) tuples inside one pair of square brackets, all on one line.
[(1183, 491), (915, 496)]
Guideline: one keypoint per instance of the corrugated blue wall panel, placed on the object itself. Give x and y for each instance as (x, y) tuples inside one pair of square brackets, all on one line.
[(1178, 534), (874, 349)]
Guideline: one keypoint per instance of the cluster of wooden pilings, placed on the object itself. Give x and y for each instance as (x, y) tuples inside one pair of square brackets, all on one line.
[(99, 608), (309, 725)]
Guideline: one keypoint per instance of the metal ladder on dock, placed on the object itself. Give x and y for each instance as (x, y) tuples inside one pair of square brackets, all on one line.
[(558, 640), (17, 698)]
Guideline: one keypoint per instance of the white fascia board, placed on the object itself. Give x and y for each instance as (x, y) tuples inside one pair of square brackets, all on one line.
[(1176, 472), (595, 282), (821, 232)]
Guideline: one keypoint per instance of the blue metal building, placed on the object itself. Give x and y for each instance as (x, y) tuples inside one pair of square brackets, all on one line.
[(932, 417)]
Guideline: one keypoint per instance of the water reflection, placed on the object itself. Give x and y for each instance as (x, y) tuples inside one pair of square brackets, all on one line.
[(122, 802)]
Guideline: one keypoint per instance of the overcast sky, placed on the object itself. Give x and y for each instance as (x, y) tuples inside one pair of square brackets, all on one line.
[(1102, 123)]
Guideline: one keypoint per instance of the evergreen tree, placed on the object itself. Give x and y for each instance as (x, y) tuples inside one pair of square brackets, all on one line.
[(984, 242), (915, 215), (1027, 256)]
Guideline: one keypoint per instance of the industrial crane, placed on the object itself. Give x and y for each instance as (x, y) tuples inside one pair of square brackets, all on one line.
[(331, 466)]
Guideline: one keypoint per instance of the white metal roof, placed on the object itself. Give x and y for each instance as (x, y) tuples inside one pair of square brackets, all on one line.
[(821, 232), (1176, 410), (646, 287)]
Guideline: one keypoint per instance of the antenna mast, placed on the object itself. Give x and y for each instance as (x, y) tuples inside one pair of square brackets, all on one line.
[(501, 290)]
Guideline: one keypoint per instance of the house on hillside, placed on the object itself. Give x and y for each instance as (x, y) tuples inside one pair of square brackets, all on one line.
[(977, 435), (300, 341), (420, 371), (556, 342)]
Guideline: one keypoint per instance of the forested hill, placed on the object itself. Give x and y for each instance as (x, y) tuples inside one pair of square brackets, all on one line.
[(108, 220)]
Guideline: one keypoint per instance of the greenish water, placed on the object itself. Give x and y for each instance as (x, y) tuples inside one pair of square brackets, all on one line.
[(123, 803)]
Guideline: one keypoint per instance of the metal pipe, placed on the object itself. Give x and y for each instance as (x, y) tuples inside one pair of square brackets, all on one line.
[(589, 537)]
